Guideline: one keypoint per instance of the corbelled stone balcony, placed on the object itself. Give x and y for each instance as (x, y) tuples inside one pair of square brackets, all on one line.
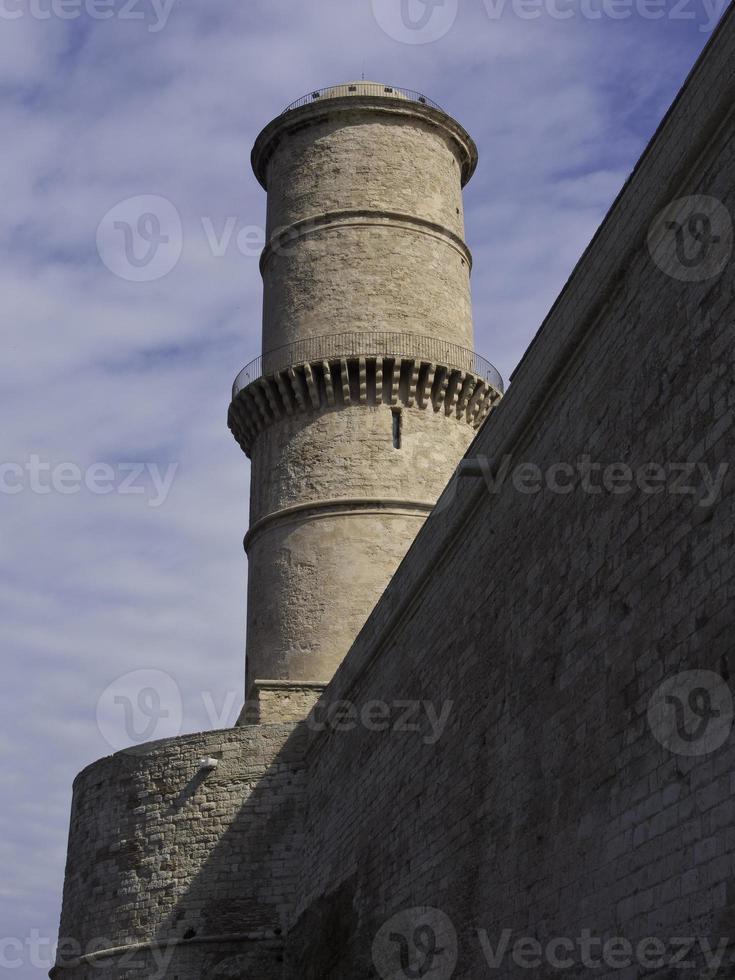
[(362, 368)]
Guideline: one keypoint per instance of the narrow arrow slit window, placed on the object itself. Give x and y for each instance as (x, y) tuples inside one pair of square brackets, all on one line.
[(397, 425)]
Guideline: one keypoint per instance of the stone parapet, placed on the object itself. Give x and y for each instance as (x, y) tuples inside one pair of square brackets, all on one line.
[(321, 385)]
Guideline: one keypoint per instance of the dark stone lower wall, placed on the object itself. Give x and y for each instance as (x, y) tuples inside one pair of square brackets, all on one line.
[(579, 789)]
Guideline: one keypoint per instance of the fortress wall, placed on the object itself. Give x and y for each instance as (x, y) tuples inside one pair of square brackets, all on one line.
[(185, 874), (542, 623)]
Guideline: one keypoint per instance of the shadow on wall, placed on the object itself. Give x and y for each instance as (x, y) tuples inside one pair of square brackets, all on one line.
[(235, 910)]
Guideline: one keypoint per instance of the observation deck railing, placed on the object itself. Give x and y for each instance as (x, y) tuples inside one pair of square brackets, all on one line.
[(377, 344), (362, 88)]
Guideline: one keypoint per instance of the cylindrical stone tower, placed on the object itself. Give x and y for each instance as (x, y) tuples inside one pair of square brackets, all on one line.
[(368, 391), (183, 857)]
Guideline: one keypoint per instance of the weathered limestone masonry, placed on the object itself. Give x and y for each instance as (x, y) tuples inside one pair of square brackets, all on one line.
[(368, 392), (182, 872), (355, 417), (548, 806)]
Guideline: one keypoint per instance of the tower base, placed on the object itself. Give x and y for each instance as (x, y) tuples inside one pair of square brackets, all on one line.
[(279, 702)]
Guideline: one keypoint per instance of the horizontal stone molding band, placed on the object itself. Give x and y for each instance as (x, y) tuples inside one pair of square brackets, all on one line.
[(266, 683), (340, 507), (284, 238), (330, 109), (323, 384), (116, 951)]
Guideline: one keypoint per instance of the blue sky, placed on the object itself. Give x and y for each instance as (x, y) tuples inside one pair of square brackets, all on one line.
[(132, 377)]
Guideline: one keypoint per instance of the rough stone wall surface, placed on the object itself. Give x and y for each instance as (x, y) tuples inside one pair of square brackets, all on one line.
[(540, 625), (315, 575), (367, 275), (311, 588), (279, 702), (372, 202), (417, 173), (365, 235), (162, 853), (348, 452)]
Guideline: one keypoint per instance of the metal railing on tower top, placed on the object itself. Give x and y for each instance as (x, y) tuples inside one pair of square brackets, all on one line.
[(372, 344), (362, 88)]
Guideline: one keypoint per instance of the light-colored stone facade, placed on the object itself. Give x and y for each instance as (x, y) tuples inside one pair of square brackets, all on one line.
[(365, 224), (368, 391)]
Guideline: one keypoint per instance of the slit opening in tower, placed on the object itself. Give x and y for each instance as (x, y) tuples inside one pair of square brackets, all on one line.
[(397, 427)]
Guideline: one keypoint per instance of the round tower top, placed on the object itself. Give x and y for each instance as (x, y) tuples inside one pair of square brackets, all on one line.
[(361, 87), (366, 95)]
